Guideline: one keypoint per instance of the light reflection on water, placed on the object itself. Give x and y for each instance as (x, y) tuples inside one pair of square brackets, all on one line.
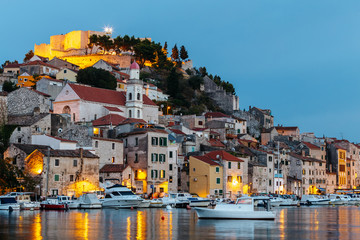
[(297, 223)]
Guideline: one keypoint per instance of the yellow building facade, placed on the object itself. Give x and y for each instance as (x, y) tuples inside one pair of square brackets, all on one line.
[(25, 80), (342, 180), (205, 177)]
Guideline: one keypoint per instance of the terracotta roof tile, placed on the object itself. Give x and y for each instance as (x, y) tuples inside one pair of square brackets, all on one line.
[(38, 62), (311, 146), (224, 156), (112, 168), (113, 109), (12, 65), (113, 119), (177, 131), (206, 160), (68, 153), (102, 95), (216, 143)]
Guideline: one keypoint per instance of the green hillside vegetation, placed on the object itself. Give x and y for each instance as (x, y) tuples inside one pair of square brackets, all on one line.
[(164, 72)]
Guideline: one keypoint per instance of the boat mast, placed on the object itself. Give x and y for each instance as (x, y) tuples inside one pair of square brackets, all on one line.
[(278, 152)]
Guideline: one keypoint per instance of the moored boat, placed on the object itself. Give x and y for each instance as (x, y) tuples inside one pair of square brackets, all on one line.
[(54, 203), (242, 209), (9, 203), (26, 203), (314, 200), (119, 196)]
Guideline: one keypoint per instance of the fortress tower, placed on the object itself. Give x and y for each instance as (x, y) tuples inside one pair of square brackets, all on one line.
[(134, 93)]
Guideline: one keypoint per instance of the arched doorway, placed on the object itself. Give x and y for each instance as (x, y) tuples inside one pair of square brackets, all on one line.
[(66, 110)]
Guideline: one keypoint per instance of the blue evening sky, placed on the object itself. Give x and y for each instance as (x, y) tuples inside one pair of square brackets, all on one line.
[(301, 59)]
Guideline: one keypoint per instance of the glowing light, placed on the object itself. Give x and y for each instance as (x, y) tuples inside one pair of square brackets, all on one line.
[(83, 186), (235, 182), (108, 30)]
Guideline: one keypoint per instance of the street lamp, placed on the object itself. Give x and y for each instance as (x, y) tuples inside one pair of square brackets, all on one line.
[(167, 110)]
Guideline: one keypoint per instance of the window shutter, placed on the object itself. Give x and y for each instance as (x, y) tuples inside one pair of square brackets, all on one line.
[(156, 157), (156, 173)]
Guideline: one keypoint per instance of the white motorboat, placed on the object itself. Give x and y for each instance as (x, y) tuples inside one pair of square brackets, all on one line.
[(119, 196), (337, 199), (88, 201), (9, 203), (26, 203), (354, 199), (156, 203), (145, 204), (275, 201), (242, 209), (196, 201), (288, 201), (181, 199), (314, 200), (169, 199)]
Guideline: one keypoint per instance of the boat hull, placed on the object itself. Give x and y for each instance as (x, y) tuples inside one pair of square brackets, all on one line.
[(90, 206), (9, 207), (121, 203), (206, 213), (54, 206), (199, 203)]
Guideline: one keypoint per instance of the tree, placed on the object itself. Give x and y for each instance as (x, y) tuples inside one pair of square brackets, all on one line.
[(9, 86), (183, 53), (173, 83), (145, 51), (28, 55), (9, 175), (165, 46), (175, 54), (203, 71), (96, 78), (93, 39), (195, 82)]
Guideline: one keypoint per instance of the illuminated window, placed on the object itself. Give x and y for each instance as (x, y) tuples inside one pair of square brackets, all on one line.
[(113, 159), (170, 179), (162, 173), (239, 179), (229, 178)]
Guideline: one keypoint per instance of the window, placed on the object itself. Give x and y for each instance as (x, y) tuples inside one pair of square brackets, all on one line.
[(270, 158), (170, 154), (113, 159), (19, 129), (71, 178), (138, 96), (73, 117), (229, 165), (163, 142), (170, 167), (126, 141), (217, 169), (200, 122), (269, 170), (25, 79), (136, 141), (342, 168), (95, 117), (269, 182), (229, 178), (162, 173), (170, 179), (136, 158), (56, 178), (154, 174), (154, 141), (154, 157), (129, 113), (239, 165), (193, 169), (65, 71), (138, 113), (239, 179), (162, 158), (75, 163), (19, 140), (96, 144), (218, 180), (130, 96), (113, 145), (57, 162)]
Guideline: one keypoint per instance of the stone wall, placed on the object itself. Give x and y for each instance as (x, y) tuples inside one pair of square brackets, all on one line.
[(24, 101), (224, 100), (81, 134), (253, 125), (85, 61)]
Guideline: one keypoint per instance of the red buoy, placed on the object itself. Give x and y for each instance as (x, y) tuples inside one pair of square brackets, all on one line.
[(162, 218), (132, 208), (188, 207)]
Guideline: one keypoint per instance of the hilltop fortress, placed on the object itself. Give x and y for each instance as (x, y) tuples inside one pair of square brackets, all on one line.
[(73, 47)]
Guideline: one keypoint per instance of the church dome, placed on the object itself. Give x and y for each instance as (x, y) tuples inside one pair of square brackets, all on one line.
[(134, 65)]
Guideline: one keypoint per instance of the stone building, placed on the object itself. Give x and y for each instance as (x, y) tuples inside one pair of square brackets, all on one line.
[(29, 125), (263, 116), (19, 152), (146, 151), (3, 108), (24, 101), (70, 172), (39, 68), (60, 63), (337, 163), (226, 101), (292, 132), (110, 151), (50, 87)]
